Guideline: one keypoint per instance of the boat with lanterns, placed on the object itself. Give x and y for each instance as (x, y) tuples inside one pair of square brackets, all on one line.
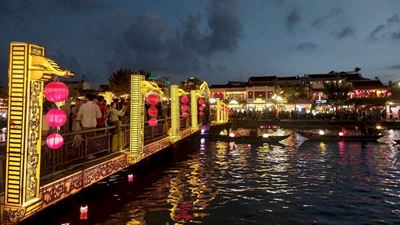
[(253, 136), (342, 135)]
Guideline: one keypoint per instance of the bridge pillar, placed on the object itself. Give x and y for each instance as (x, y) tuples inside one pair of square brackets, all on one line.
[(136, 144), (28, 69), (175, 116), (193, 110), (219, 109)]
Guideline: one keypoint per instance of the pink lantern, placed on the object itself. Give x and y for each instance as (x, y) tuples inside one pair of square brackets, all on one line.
[(201, 113), (201, 101), (184, 99), (152, 99), (201, 108), (153, 122), (54, 141), (56, 91), (184, 108), (185, 115), (56, 118), (152, 111)]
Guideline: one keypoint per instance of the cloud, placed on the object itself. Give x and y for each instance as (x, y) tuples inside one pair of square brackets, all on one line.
[(153, 45), (377, 32), (293, 18), (345, 32), (395, 35), (394, 67), (225, 26), (306, 46), (394, 19)]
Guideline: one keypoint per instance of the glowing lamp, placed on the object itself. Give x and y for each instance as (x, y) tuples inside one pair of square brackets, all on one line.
[(201, 113), (341, 134), (265, 135), (201, 101), (201, 108), (130, 178), (152, 99), (153, 122), (54, 141), (152, 111), (56, 91), (321, 132), (231, 135), (184, 99), (56, 118), (84, 212), (184, 108), (185, 115)]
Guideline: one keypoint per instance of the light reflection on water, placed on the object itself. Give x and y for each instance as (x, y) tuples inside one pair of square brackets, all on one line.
[(295, 182)]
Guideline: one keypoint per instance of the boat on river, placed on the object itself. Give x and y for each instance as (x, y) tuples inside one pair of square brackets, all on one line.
[(338, 137), (250, 139)]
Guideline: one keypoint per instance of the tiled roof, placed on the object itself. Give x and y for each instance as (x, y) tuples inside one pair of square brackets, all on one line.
[(368, 84)]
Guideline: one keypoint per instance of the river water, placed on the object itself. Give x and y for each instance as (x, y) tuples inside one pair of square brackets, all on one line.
[(205, 182)]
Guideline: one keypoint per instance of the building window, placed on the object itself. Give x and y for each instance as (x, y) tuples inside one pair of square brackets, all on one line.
[(250, 94), (270, 94), (260, 94)]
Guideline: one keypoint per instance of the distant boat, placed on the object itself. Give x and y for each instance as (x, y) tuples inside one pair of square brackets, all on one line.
[(250, 139), (332, 137)]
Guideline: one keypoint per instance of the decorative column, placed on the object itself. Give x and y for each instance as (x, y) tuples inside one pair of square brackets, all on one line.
[(28, 68), (219, 119), (137, 119), (193, 110), (175, 117)]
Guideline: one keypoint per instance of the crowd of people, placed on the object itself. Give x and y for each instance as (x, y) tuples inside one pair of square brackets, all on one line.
[(90, 113), (375, 114)]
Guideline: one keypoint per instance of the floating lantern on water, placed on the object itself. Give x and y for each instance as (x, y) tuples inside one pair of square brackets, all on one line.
[(84, 212), (56, 91), (130, 178), (56, 118), (54, 141)]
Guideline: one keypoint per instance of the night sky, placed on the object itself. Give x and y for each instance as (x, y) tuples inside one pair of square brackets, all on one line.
[(217, 40)]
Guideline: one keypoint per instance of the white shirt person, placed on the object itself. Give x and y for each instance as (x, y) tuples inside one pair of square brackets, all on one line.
[(88, 113)]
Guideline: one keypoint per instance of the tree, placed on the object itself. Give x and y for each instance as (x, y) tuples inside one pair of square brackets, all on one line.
[(120, 80), (192, 83), (293, 93), (337, 90)]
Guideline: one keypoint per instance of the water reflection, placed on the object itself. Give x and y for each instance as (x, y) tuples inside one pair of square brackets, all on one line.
[(295, 182)]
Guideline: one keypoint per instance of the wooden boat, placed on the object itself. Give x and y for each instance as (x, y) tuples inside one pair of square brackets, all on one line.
[(249, 139), (333, 137)]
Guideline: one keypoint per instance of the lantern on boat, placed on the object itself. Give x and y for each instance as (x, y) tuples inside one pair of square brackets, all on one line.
[(56, 118), (54, 141), (56, 91)]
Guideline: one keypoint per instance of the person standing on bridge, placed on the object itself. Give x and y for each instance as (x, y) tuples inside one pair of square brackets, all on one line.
[(88, 113)]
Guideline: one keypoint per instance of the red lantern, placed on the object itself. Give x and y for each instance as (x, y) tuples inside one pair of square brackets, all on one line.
[(56, 91), (152, 111), (184, 100), (56, 118), (201, 108), (184, 108), (153, 122), (84, 212), (201, 101), (54, 141), (201, 113), (152, 99), (185, 115)]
